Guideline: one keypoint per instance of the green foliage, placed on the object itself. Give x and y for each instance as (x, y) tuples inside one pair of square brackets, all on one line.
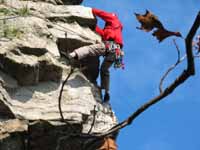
[(23, 11), (11, 32), (5, 11)]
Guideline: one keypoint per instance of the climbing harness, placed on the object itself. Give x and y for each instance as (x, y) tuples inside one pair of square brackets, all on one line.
[(119, 54), (114, 53)]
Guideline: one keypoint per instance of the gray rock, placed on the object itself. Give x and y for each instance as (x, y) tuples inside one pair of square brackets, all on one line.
[(11, 134), (78, 101), (5, 110), (32, 71), (11, 126), (30, 68), (72, 2), (61, 2), (12, 142), (7, 81), (65, 13)]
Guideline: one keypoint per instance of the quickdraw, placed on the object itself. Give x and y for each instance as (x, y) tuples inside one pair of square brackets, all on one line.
[(116, 52), (118, 63)]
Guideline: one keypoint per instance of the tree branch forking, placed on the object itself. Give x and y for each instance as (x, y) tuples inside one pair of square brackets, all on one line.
[(179, 60)]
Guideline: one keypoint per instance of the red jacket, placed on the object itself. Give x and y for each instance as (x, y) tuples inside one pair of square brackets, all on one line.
[(113, 27)]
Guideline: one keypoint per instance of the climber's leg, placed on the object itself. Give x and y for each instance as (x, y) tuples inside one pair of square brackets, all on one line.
[(91, 50)]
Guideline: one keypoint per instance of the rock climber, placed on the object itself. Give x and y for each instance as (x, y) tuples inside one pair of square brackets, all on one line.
[(110, 48)]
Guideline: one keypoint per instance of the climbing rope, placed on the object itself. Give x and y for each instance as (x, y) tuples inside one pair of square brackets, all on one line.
[(60, 95)]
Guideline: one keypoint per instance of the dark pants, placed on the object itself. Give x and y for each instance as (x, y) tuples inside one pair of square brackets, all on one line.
[(98, 50), (105, 73), (92, 68)]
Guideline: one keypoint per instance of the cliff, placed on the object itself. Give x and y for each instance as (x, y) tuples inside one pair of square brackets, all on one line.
[(34, 37)]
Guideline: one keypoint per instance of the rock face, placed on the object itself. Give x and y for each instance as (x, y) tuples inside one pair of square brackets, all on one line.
[(61, 2), (32, 70), (11, 134)]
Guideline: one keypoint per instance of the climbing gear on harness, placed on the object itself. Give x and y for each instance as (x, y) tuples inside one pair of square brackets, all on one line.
[(111, 46), (114, 53), (119, 54)]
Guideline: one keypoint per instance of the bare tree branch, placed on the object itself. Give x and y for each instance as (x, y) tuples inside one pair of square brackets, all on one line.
[(178, 81), (178, 49), (179, 60), (188, 42)]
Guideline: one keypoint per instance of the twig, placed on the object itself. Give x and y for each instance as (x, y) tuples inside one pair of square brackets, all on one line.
[(178, 50), (179, 60), (174, 65), (169, 70)]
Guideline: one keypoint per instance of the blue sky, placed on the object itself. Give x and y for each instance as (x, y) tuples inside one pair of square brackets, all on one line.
[(174, 123)]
